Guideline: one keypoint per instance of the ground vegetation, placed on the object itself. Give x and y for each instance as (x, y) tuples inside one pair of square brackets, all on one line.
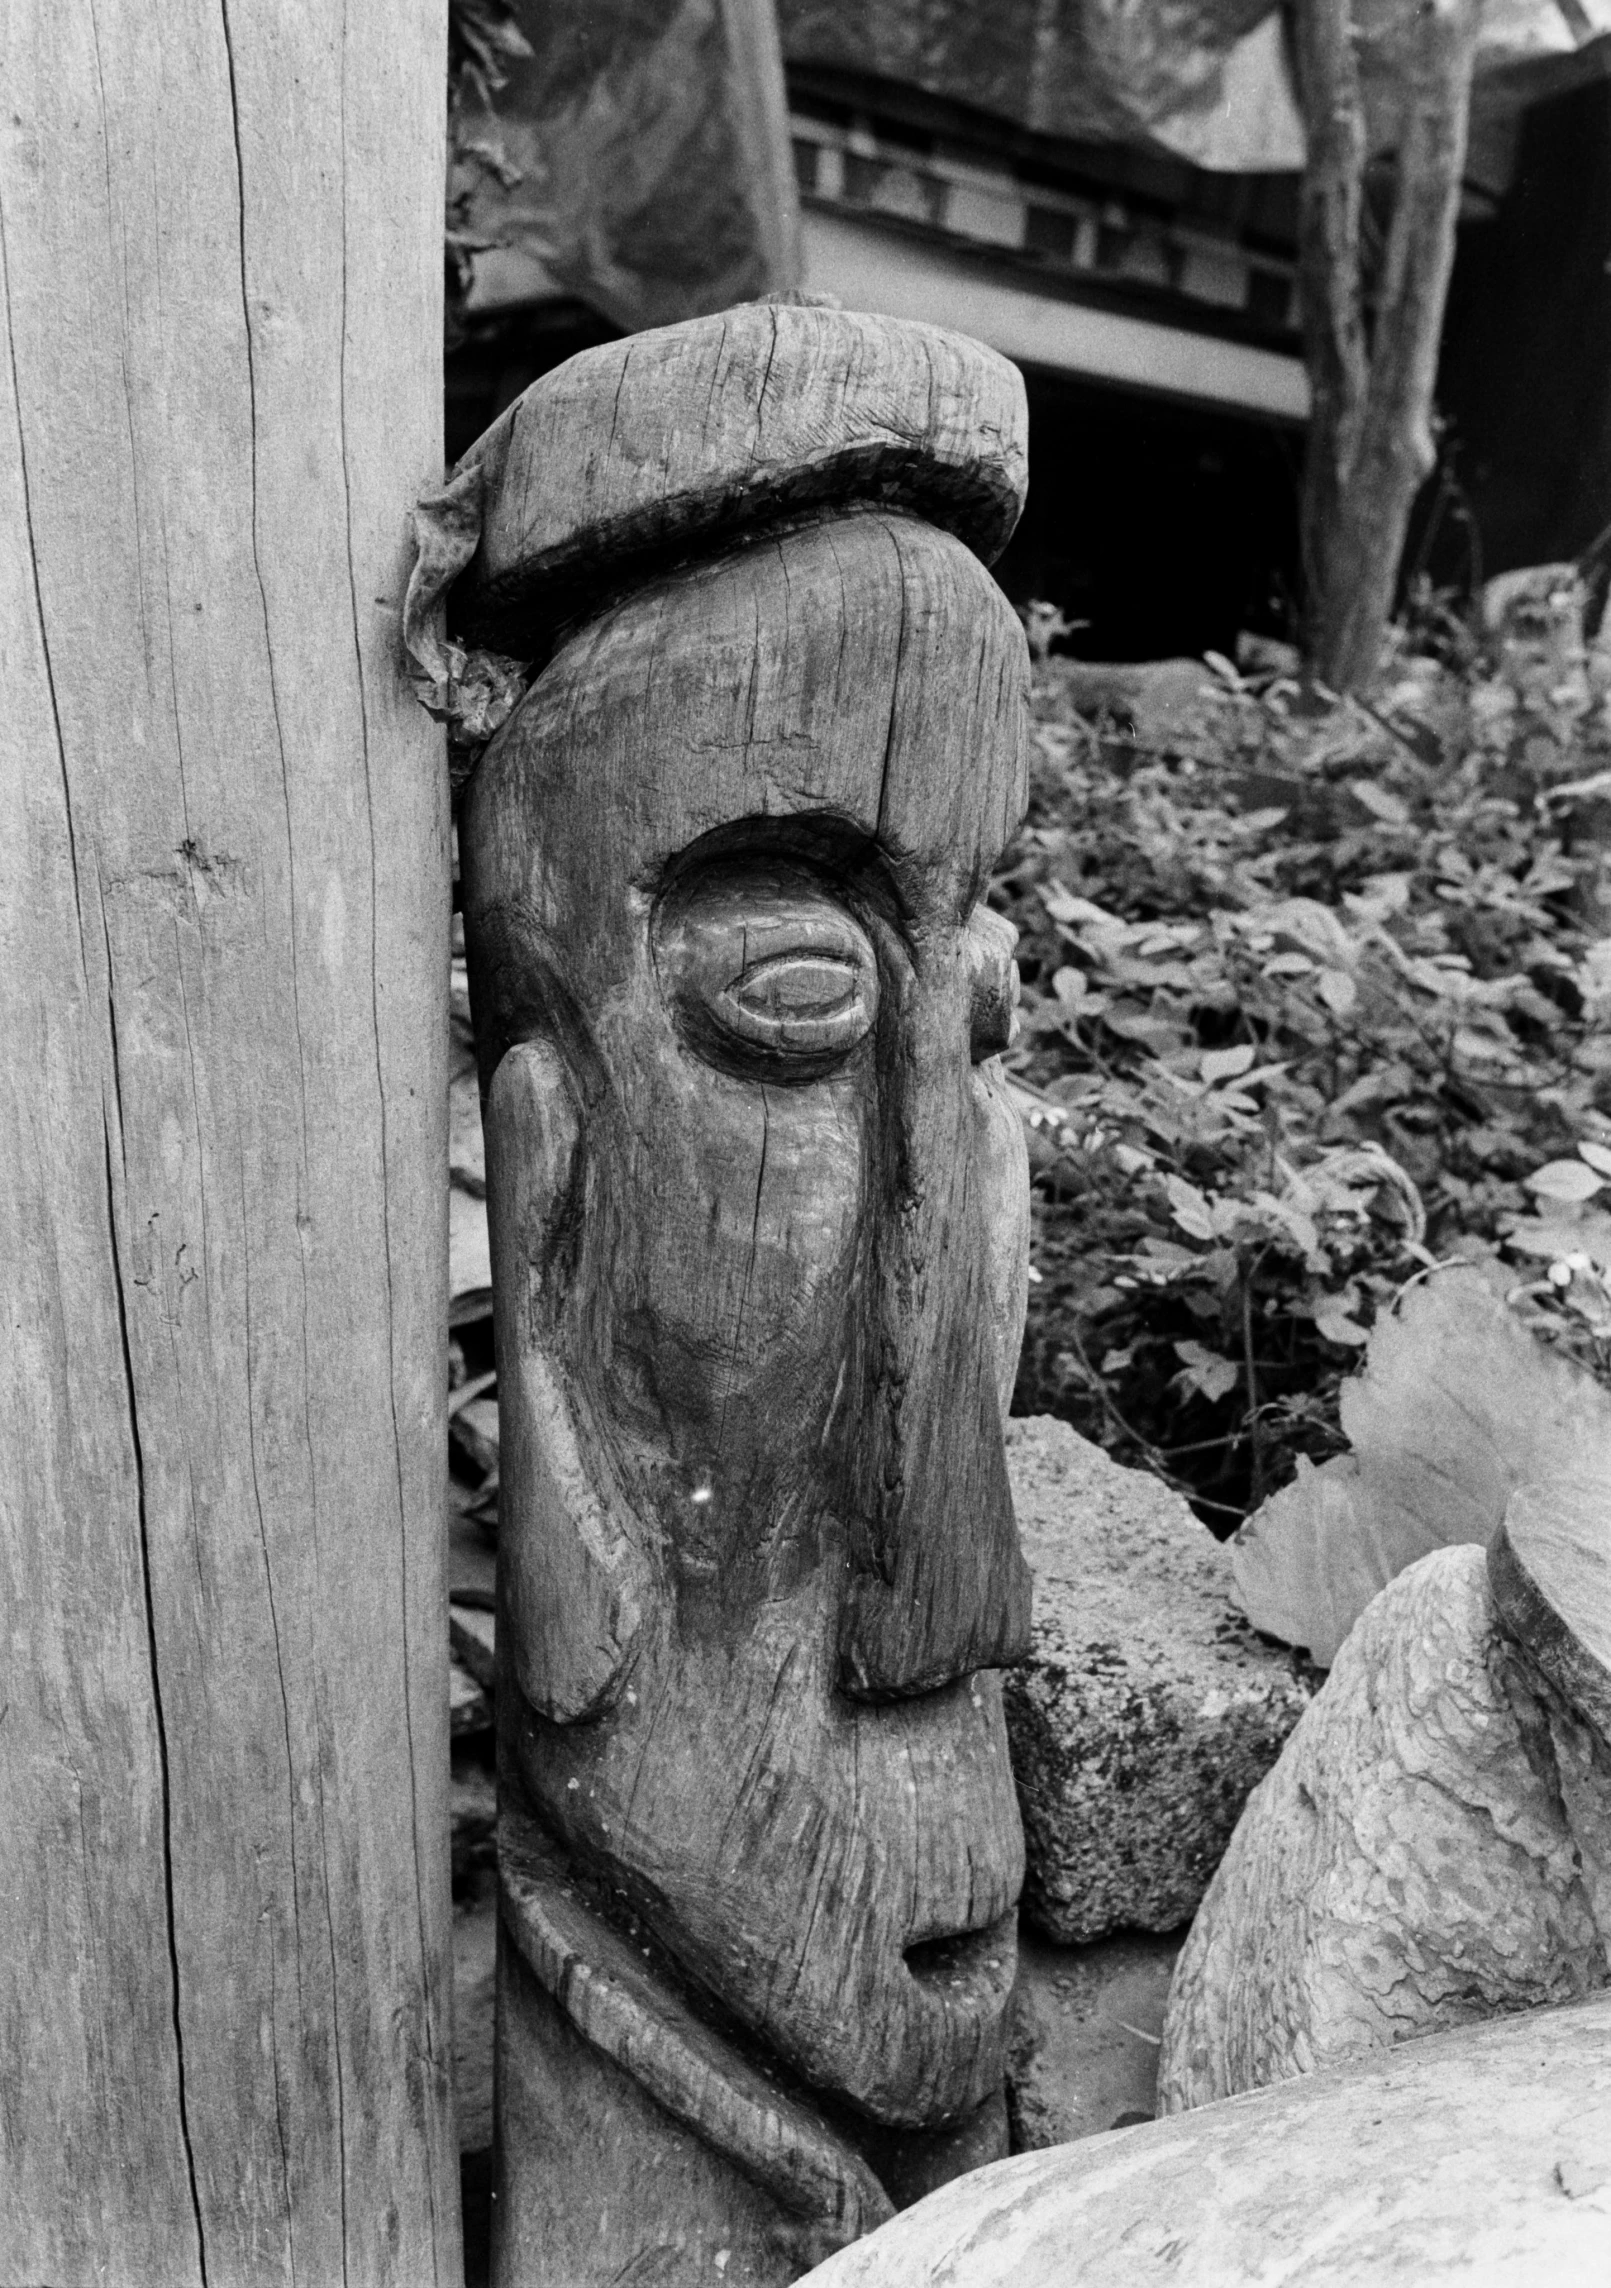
[(1314, 997)]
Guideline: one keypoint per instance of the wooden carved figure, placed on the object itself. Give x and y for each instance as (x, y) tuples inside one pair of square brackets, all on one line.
[(758, 1206)]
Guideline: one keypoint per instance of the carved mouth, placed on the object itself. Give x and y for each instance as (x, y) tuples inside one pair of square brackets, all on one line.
[(965, 1963)]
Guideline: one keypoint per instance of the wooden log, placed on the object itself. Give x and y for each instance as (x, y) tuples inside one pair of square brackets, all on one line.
[(1434, 1844), (223, 899), (1549, 1573), (1481, 2155), (1414, 1861)]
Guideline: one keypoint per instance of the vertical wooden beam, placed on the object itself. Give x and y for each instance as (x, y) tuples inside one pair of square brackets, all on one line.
[(223, 913)]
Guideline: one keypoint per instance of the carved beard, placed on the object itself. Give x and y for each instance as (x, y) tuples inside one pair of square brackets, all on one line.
[(825, 2177)]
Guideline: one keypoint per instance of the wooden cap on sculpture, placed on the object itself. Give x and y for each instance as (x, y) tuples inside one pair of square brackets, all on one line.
[(633, 455)]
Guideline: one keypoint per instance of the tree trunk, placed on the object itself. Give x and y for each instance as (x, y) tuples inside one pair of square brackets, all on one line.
[(1370, 439), (223, 899)]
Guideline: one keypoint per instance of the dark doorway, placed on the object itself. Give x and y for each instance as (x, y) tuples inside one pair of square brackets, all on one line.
[(1524, 383), (498, 356), (1168, 528)]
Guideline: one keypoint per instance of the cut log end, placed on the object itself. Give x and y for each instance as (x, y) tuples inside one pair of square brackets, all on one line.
[(1549, 1573)]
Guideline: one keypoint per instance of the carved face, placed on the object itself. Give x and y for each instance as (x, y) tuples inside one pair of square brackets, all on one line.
[(758, 1210)]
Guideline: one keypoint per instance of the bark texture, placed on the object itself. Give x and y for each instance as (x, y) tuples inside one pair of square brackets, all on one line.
[(1431, 1848), (1370, 435), (1479, 2155), (223, 1755)]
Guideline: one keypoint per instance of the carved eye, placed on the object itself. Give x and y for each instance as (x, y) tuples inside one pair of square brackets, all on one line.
[(768, 974), (800, 1002)]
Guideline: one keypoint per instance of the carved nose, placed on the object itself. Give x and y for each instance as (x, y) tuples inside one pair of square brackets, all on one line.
[(936, 1584)]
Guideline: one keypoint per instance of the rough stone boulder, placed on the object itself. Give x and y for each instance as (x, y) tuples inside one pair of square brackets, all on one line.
[(1164, 702), (1148, 1710)]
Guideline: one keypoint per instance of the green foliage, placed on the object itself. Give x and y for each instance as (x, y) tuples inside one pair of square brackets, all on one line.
[(1311, 999)]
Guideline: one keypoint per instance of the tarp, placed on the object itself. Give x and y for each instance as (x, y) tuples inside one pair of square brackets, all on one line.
[(641, 159), (640, 150), (1206, 80)]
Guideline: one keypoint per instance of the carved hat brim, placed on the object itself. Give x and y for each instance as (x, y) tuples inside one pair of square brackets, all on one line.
[(667, 443)]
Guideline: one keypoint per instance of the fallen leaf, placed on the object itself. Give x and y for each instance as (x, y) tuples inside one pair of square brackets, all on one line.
[(1205, 1371), (1456, 1405), (447, 532), (469, 1246)]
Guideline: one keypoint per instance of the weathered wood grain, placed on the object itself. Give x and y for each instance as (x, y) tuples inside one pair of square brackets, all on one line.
[(818, 2190), (1434, 1844), (1480, 2155), (758, 1214), (680, 438), (772, 1289), (1411, 1863), (223, 1759), (1549, 1574)]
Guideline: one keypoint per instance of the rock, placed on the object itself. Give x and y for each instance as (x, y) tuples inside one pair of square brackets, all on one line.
[(1087, 2021), (1433, 1847), (1147, 1710), (469, 1710), (1163, 702), (1267, 655), (469, 1257), (1532, 599)]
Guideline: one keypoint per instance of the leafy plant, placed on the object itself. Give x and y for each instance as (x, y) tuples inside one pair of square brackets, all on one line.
[(1306, 1008), (1455, 1408)]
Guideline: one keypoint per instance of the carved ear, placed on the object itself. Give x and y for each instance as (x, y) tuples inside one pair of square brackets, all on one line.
[(571, 1581)]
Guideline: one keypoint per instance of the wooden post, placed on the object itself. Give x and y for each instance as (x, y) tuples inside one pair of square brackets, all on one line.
[(223, 899)]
